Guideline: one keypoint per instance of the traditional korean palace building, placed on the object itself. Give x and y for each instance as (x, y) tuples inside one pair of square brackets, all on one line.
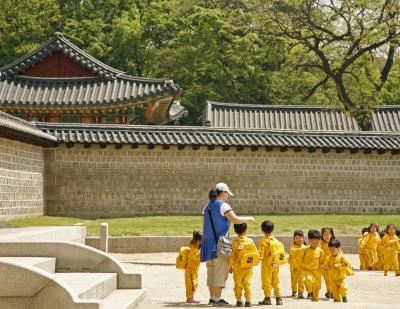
[(58, 82), (91, 141)]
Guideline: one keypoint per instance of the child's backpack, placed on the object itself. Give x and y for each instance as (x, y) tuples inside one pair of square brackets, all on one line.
[(182, 258), (279, 255), (249, 256)]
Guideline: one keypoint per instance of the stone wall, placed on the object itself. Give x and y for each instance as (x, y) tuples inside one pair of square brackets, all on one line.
[(21, 180), (109, 182)]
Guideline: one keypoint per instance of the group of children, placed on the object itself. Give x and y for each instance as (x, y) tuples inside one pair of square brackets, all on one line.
[(380, 250), (321, 258)]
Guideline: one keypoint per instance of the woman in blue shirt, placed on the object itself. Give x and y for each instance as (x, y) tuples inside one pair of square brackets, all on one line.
[(222, 216)]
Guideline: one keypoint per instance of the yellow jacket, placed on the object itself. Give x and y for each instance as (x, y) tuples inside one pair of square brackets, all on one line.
[(325, 246), (295, 255), (237, 252), (390, 243), (361, 250), (193, 260), (265, 248), (338, 266), (312, 258), (371, 240)]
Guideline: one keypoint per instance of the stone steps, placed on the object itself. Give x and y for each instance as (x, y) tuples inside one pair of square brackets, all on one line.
[(47, 264), (90, 285), (65, 276), (128, 299)]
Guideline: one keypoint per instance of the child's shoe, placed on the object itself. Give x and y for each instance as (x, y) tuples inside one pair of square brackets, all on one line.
[(300, 296), (211, 301), (192, 301), (344, 299), (247, 303), (309, 295), (294, 293), (265, 301), (328, 295), (239, 303), (279, 301), (314, 299)]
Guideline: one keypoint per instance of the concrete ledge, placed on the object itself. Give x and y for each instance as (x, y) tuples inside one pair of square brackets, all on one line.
[(25, 286), (76, 233), (154, 244), (74, 257)]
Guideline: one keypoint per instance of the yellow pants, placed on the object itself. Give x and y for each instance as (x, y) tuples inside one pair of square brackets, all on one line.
[(363, 261), (270, 280), (339, 289), (191, 282), (372, 257), (297, 279), (313, 282), (327, 281), (391, 261), (242, 278)]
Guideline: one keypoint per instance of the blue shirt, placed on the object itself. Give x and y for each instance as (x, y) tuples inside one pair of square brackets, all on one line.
[(221, 223)]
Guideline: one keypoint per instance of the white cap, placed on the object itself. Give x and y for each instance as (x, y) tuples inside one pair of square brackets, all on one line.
[(223, 187)]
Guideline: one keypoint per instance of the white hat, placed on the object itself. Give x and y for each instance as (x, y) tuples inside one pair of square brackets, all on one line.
[(223, 187)]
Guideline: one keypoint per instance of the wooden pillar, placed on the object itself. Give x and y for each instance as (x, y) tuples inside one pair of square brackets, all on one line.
[(89, 116), (116, 116)]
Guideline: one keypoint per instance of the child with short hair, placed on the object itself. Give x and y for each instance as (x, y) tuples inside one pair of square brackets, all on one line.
[(296, 275), (362, 255), (390, 249), (244, 257), (371, 241), (338, 267), (312, 259), (190, 257), (269, 269), (326, 235)]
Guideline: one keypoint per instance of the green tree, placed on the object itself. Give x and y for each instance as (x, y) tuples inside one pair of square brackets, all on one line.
[(24, 25), (342, 40)]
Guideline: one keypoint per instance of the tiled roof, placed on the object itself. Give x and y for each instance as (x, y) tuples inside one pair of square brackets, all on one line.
[(16, 128), (79, 92), (198, 136), (108, 86), (293, 117), (386, 119), (59, 43)]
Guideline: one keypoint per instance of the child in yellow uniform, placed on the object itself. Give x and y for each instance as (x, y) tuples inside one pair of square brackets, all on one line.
[(398, 236), (269, 270), (379, 253), (326, 235), (296, 276), (371, 241), (337, 267), (312, 258), (244, 257), (362, 254), (390, 248), (192, 267)]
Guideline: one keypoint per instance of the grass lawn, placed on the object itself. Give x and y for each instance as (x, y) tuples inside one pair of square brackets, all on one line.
[(184, 225)]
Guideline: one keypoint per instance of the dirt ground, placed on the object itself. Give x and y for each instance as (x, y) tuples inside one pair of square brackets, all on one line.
[(166, 289)]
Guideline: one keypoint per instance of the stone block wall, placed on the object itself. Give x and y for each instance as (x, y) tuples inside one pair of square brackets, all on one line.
[(21, 180), (108, 182)]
